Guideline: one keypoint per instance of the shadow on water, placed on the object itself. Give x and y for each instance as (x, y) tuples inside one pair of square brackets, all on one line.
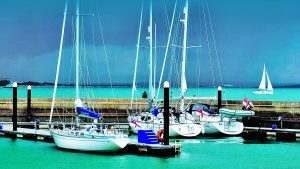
[(55, 148), (226, 140), (261, 142)]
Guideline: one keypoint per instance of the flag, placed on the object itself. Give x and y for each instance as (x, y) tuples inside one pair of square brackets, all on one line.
[(247, 104)]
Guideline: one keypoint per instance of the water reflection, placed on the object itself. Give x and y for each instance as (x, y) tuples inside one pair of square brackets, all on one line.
[(224, 140)]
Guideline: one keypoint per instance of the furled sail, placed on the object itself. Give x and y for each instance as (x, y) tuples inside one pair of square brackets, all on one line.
[(84, 112)]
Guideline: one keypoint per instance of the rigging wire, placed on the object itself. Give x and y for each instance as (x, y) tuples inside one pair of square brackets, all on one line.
[(137, 56), (106, 57), (166, 52), (208, 45), (215, 46), (166, 16), (175, 55), (214, 41)]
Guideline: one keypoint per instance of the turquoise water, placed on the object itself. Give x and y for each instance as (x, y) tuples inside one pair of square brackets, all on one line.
[(230, 152), (280, 94)]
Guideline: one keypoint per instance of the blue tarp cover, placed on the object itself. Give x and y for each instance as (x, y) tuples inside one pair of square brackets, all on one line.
[(84, 112), (155, 112)]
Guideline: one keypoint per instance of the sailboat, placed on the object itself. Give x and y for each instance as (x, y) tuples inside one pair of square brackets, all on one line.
[(224, 121), (153, 119), (263, 88), (83, 137)]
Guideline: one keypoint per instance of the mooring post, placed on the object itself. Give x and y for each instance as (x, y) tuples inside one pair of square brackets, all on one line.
[(28, 103), (219, 97), (15, 107), (166, 112)]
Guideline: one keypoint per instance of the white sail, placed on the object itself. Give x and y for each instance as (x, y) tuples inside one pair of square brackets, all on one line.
[(84, 138), (262, 85), (183, 63), (183, 85), (265, 86), (269, 82)]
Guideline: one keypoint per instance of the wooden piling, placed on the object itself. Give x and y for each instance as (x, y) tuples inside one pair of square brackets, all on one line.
[(28, 104), (166, 113), (219, 97), (15, 107)]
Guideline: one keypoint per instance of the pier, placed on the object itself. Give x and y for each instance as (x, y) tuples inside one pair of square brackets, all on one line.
[(151, 149), (25, 133), (271, 134), (266, 111), (258, 127)]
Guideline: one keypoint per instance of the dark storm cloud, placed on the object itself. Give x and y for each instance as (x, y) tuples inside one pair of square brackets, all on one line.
[(247, 34)]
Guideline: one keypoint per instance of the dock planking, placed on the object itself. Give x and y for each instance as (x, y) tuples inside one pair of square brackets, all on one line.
[(275, 134)]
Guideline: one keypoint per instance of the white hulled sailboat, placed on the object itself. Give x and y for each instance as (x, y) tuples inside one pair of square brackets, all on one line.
[(83, 137), (225, 121), (263, 88), (153, 119)]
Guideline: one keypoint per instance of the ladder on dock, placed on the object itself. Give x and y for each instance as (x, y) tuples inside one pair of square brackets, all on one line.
[(177, 146)]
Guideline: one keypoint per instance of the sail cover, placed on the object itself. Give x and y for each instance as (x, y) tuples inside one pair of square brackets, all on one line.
[(84, 112)]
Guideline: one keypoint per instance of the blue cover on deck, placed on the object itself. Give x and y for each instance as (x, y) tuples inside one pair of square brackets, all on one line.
[(84, 112), (155, 112)]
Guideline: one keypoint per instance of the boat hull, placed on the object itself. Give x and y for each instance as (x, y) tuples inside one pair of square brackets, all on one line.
[(230, 127), (103, 144), (175, 130), (214, 125), (223, 127), (263, 92), (235, 113)]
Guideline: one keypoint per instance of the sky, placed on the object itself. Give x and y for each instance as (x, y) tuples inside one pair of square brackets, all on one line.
[(236, 37)]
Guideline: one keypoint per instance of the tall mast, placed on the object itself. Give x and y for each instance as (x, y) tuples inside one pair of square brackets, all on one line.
[(58, 62), (150, 57), (77, 50), (154, 67), (166, 51), (77, 101), (183, 79), (136, 58)]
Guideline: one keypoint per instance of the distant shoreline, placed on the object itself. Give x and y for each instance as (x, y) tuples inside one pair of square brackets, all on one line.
[(8, 83)]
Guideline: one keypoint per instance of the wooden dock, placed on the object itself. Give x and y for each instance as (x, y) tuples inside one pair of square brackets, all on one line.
[(25, 133), (151, 149), (275, 134), (113, 107)]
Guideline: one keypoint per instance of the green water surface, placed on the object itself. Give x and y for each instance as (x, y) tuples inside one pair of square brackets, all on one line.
[(280, 94), (218, 153)]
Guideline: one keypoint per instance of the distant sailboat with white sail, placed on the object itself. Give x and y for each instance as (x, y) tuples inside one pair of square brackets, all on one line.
[(263, 87)]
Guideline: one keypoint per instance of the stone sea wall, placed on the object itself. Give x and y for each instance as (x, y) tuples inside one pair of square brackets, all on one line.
[(266, 112)]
